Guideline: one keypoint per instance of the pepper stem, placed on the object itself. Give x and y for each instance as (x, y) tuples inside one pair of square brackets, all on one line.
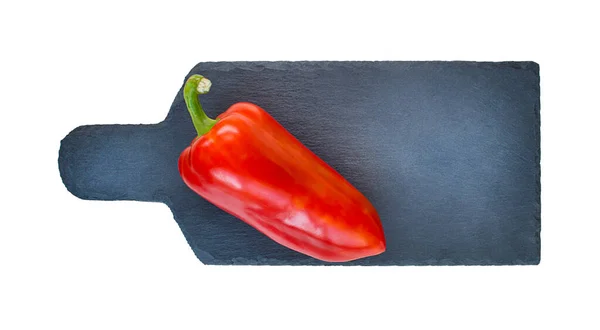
[(194, 86)]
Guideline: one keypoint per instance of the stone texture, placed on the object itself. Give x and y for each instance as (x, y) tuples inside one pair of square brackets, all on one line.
[(448, 152)]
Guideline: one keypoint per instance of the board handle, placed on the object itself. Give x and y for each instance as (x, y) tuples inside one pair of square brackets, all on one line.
[(117, 162)]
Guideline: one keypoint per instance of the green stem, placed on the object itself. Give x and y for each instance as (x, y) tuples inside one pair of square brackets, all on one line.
[(194, 86)]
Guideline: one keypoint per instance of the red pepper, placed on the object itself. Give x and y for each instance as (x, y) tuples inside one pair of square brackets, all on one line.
[(250, 166)]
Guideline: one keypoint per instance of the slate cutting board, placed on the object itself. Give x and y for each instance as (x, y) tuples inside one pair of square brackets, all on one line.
[(448, 153)]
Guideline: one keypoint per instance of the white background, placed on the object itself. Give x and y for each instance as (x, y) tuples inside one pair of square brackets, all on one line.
[(67, 263)]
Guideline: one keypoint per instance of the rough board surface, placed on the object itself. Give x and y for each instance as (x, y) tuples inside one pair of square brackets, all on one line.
[(448, 153)]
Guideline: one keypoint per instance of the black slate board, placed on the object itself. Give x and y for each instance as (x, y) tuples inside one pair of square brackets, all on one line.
[(448, 153)]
